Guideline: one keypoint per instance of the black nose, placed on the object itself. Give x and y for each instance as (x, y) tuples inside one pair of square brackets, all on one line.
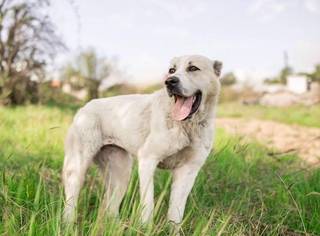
[(172, 81)]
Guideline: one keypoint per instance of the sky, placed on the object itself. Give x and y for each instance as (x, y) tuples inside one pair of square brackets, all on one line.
[(248, 36)]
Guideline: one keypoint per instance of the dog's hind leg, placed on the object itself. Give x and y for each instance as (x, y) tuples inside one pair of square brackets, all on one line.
[(116, 164), (82, 143)]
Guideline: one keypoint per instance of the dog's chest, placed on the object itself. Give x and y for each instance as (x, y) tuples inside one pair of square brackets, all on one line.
[(202, 132), (176, 160)]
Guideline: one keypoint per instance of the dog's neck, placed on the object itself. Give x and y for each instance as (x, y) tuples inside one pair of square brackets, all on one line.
[(206, 112)]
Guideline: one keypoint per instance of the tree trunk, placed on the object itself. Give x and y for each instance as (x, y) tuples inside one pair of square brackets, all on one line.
[(93, 88)]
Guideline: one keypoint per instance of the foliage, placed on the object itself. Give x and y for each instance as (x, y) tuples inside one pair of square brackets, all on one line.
[(27, 43), (50, 95), (122, 89), (151, 88), (284, 73), (315, 75), (272, 81), (281, 78), (87, 71), (241, 190), (228, 79)]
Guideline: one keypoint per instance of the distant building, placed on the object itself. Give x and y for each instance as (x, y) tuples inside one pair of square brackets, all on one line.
[(298, 84), (298, 90)]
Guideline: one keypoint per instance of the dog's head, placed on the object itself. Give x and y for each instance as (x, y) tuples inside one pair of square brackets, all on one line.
[(189, 81)]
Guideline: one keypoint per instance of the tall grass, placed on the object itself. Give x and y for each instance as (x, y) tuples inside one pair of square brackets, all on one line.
[(240, 190)]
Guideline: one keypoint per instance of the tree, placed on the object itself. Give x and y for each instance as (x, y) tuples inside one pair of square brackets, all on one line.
[(315, 76), (27, 43), (87, 71), (281, 78), (228, 79), (271, 81), (284, 73)]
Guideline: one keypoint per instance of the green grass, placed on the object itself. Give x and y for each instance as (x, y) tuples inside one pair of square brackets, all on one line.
[(300, 115), (241, 190)]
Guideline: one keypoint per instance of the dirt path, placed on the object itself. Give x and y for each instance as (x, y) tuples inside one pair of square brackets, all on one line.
[(303, 141)]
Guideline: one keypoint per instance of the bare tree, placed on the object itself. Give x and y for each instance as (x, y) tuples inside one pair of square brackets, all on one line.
[(27, 42)]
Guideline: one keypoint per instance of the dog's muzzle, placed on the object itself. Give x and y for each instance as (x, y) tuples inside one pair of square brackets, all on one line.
[(173, 85)]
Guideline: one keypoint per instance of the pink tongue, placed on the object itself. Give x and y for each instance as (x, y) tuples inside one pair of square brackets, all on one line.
[(182, 108)]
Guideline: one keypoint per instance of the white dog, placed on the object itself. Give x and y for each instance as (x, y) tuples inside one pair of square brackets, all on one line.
[(172, 128)]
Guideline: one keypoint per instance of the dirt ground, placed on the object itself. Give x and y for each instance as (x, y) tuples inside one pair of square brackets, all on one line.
[(303, 141)]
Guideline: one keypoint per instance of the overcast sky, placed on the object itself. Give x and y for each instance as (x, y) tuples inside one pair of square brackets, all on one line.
[(249, 36)]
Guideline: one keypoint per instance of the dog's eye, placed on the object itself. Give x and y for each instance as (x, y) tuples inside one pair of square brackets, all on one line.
[(192, 68), (172, 70)]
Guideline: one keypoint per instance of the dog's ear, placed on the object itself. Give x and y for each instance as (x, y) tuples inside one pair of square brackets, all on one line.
[(217, 67)]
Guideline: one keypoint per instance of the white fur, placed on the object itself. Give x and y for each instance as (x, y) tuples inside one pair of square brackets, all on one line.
[(111, 130)]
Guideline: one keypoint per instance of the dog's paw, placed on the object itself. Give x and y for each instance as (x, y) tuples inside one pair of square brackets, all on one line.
[(175, 228)]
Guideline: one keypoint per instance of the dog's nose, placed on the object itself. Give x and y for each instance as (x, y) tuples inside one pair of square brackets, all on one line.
[(172, 81)]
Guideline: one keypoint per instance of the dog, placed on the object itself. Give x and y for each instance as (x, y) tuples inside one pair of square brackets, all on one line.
[(172, 128)]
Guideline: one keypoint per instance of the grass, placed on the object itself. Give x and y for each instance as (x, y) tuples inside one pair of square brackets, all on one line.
[(241, 190), (300, 115)]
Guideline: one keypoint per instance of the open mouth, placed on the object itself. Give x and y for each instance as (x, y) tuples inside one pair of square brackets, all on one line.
[(185, 107)]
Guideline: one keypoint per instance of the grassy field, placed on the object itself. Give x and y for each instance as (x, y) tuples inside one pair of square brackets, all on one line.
[(300, 115), (240, 191)]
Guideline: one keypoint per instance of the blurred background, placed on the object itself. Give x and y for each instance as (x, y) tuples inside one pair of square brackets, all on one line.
[(64, 53), (263, 176), (67, 51)]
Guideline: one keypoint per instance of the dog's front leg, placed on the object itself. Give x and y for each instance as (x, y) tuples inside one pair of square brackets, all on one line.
[(147, 166), (183, 180)]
